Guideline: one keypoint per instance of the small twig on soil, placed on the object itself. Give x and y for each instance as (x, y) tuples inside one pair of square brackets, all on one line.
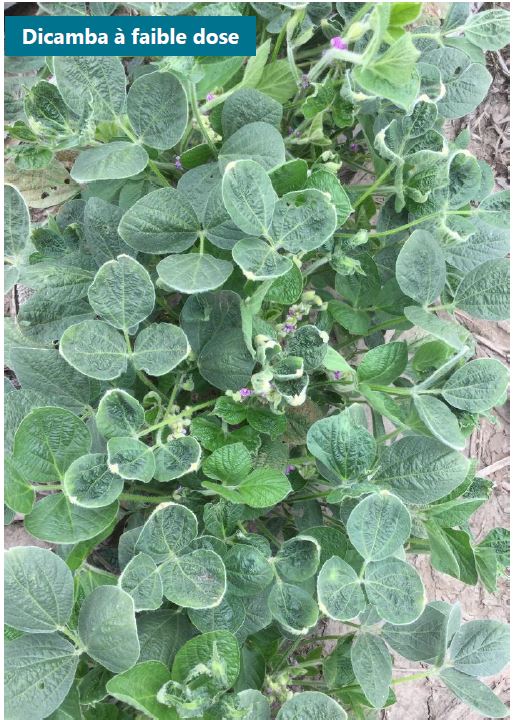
[(495, 467)]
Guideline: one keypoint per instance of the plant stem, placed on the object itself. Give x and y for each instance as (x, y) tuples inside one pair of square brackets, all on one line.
[(279, 42), (133, 497), (165, 421), (158, 173), (324, 493), (375, 185), (415, 676), (263, 529), (197, 116)]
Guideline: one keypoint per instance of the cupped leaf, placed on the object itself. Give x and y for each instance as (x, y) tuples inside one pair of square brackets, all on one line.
[(474, 693), (95, 349), (90, 483), (161, 222), (260, 261), (293, 608), (200, 651), (56, 520), (106, 626), (257, 141), (178, 457), (248, 105), (328, 183), (111, 161), (378, 526), (131, 459), (311, 705), (47, 441), (194, 580), (40, 670), (167, 532), (99, 81), (395, 589), (489, 30), (477, 386), (228, 615), (19, 495), (303, 220), (339, 590), (421, 470), (248, 570), (16, 224), (38, 589), (420, 268), (249, 196), (372, 667), (101, 220), (141, 579), (157, 109), (122, 292), (298, 558), (480, 647), (309, 343), (346, 449), (194, 273), (159, 348), (440, 421), (228, 464), (119, 414)]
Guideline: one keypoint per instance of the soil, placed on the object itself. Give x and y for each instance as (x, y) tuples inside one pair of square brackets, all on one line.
[(427, 699)]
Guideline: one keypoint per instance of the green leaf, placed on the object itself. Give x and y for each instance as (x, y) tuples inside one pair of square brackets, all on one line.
[(310, 705), (47, 441), (248, 570), (420, 268), (200, 650), (379, 526), (138, 687), (194, 273), (484, 291), (161, 222), (264, 487), (196, 580), (248, 105), (356, 322), (477, 386), (16, 224), (440, 421), (141, 579), (38, 590), (383, 364), (229, 410), (486, 243), (228, 615), (178, 457), (89, 482), (257, 141), (488, 30), (56, 520), (474, 693), (159, 348), (122, 293), (480, 647), (106, 626), (98, 81), (303, 220), (101, 220), (293, 608), (131, 459), (266, 422), (39, 672), (161, 633), (403, 94), (292, 175), (346, 449), (95, 349), (228, 464), (372, 667), (249, 196), (395, 589), (157, 109), (451, 333), (394, 66), (339, 590), (119, 414), (309, 343), (169, 530), (421, 470), (19, 495), (277, 81), (494, 210), (298, 558), (424, 640), (111, 161)]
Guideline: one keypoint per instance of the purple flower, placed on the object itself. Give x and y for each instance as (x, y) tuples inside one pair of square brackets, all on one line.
[(178, 163), (297, 133), (210, 97), (338, 43), (289, 469), (354, 147), (288, 328), (305, 82), (184, 431), (245, 392), (337, 375)]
